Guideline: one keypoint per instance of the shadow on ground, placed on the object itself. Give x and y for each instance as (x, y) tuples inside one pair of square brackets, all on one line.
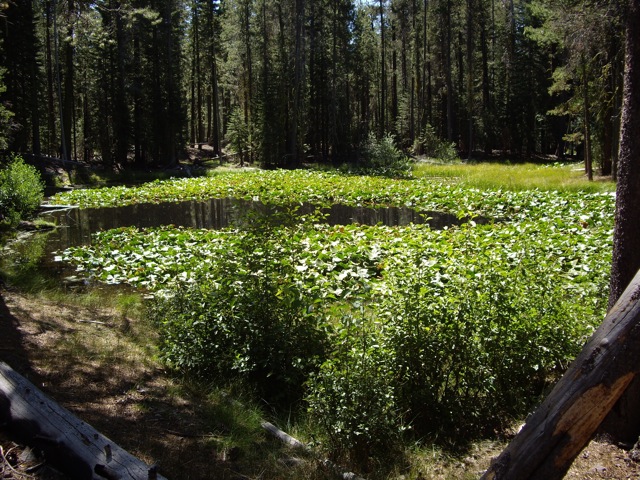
[(100, 368)]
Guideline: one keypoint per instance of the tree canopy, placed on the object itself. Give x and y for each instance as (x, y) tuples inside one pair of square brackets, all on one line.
[(284, 81)]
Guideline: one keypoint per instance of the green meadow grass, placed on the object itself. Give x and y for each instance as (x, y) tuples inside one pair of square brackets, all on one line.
[(526, 176)]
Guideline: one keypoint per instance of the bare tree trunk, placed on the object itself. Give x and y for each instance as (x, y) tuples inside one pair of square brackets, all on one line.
[(67, 104), (214, 112), (448, 71), (588, 167), (624, 421), (51, 119), (294, 151), (383, 73), (626, 247), (470, 13)]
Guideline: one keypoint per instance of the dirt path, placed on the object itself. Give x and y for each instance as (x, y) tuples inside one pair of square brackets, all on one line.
[(99, 365)]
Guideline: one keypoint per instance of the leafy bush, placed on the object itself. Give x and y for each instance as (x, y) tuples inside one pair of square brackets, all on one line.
[(432, 146), (353, 397), (382, 157), (21, 191), (252, 324), (476, 341)]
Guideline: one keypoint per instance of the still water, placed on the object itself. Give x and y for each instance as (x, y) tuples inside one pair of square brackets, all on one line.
[(77, 225)]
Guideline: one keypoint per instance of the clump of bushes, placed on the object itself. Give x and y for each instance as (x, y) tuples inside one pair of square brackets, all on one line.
[(383, 157), (432, 146), (252, 324), (21, 191)]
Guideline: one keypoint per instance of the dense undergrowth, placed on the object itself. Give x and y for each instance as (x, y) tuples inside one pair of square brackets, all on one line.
[(21, 191), (384, 333)]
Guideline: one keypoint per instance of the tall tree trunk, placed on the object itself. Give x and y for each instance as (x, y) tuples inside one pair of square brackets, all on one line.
[(294, 127), (624, 421), (486, 89), (333, 135), (138, 151), (214, 115), (192, 100), (416, 81), (426, 75), (120, 107), (626, 247), (470, 13), (67, 103), (199, 119), (394, 74), (587, 120), (448, 71), (248, 62), (51, 119), (194, 130), (36, 145), (265, 82), (383, 73)]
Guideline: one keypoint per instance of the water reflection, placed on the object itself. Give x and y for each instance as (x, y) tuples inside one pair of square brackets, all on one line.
[(79, 224)]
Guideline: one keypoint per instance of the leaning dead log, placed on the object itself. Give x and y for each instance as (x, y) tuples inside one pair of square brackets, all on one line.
[(567, 419), (70, 444)]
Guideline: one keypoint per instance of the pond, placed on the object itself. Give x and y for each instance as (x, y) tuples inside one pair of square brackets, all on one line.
[(77, 225)]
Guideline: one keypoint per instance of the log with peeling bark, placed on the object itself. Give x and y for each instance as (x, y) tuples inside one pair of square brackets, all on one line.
[(567, 419), (73, 446)]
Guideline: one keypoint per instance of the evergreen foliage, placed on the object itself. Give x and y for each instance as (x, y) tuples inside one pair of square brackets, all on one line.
[(382, 157), (134, 83)]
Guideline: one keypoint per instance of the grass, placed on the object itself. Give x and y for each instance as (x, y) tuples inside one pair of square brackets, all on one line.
[(526, 176)]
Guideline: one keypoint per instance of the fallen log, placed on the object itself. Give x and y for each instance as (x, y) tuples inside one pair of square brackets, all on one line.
[(568, 418), (73, 446), (297, 444)]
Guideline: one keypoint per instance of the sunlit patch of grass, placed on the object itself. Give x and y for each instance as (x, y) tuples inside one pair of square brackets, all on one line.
[(564, 177), (430, 462)]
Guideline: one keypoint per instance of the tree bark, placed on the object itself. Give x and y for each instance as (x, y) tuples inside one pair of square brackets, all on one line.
[(73, 446), (470, 13), (383, 74), (588, 166), (214, 115), (626, 237), (69, 72), (623, 423), (567, 419)]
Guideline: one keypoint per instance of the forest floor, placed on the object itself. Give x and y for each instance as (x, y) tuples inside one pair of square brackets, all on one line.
[(97, 363)]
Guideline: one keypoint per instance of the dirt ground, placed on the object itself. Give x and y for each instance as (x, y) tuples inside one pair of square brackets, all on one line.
[(85, 359)]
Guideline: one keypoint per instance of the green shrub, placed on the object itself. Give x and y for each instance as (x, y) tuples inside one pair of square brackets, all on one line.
[(21, 191), (254, 323), (353, 397), (478, 341), (382, 157), (429, 144)]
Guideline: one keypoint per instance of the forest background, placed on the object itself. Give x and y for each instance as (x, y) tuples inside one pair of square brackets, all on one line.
[(132, 83)]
